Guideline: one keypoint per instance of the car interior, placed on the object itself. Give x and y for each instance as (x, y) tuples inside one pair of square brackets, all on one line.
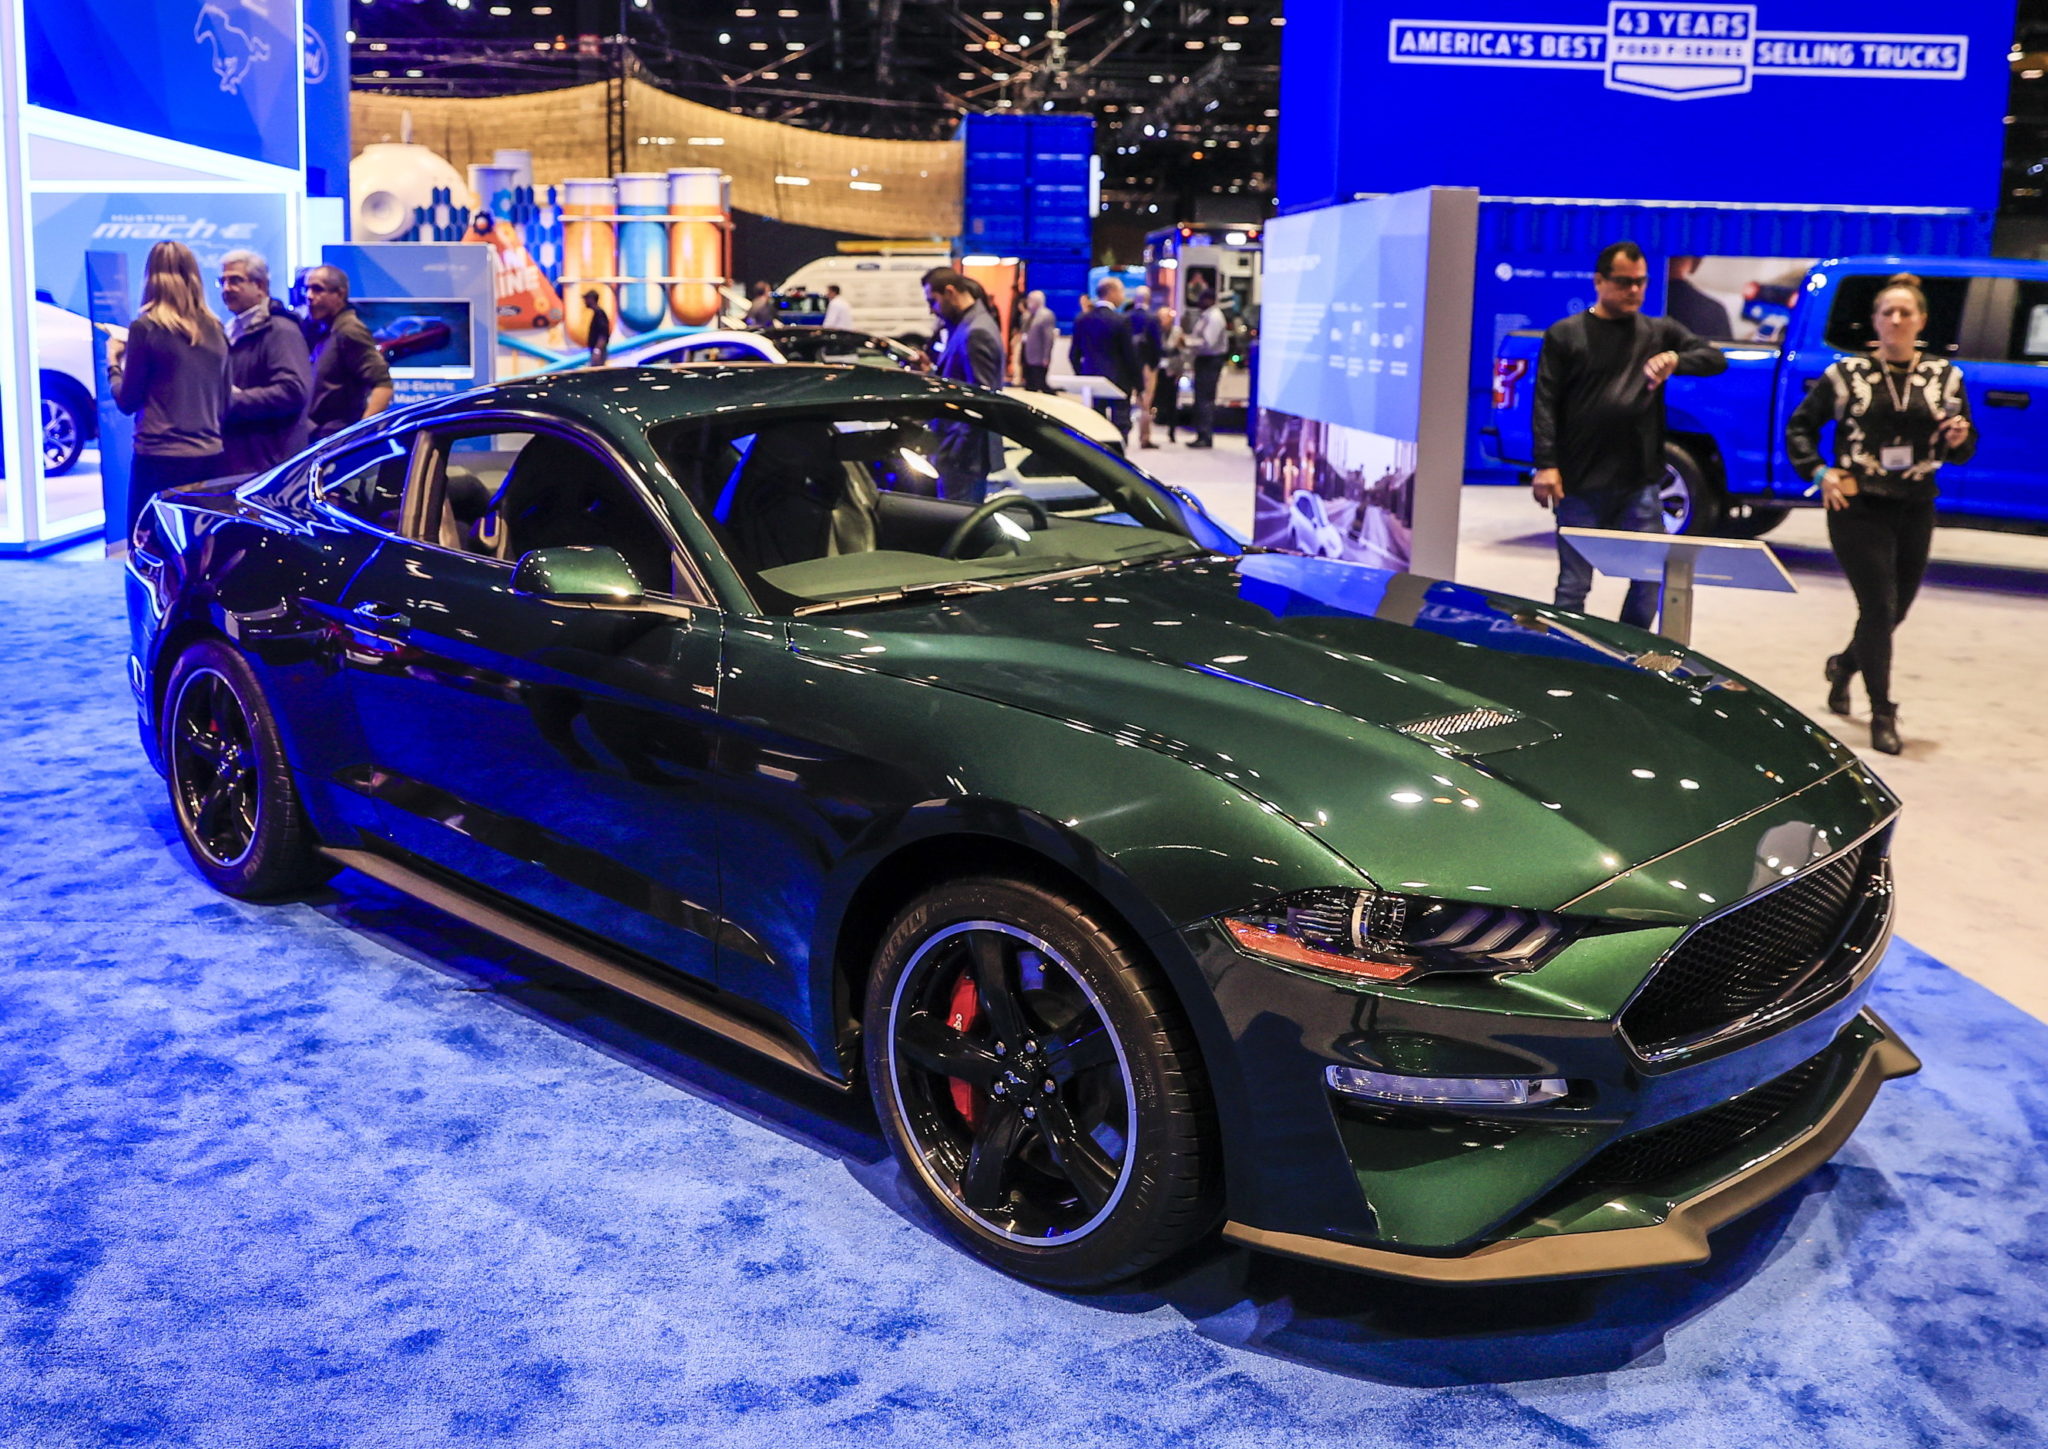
[(816, 507)]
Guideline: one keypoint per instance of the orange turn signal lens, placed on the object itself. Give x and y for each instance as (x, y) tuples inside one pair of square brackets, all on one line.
[(1279, 947)]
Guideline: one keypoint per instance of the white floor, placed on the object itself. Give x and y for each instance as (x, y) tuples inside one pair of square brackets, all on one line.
[(1969, 675)]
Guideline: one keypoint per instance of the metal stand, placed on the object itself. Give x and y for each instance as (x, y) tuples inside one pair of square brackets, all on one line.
[(1677, 564)]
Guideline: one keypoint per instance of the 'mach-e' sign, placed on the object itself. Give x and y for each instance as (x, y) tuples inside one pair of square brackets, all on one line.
[(1678, 52)]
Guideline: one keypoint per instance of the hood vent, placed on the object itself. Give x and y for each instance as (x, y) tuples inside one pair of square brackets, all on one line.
[(1481, 730)]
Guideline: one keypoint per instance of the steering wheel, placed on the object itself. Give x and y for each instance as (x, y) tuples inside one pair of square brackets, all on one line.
[(988, 509)]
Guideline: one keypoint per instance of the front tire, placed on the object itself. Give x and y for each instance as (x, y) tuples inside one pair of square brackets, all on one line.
[(1038, 1085), (230, 786)]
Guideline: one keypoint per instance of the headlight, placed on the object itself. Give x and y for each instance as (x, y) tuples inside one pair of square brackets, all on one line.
[(1396, 938)]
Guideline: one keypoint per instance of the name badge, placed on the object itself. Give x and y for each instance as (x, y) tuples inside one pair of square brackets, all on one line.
[(1897, 458)]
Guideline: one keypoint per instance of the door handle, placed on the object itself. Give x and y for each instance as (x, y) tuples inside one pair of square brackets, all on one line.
[(2004, 398), (383, 616)]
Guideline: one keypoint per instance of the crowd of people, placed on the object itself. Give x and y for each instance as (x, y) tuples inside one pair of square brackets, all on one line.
[(217, 400), (1898, 417), (1139, 350)]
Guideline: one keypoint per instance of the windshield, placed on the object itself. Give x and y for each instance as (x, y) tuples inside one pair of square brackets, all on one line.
[(864, 504)]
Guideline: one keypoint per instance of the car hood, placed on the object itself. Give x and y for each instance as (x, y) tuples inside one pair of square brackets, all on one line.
[(1440, 738)]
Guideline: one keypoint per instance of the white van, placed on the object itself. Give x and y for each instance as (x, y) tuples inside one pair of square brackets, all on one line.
[(885, 289)]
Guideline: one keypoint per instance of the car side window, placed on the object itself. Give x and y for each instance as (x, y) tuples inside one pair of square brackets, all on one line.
[(367, 481), (2028, 341), (503, 494), (1849, 318)]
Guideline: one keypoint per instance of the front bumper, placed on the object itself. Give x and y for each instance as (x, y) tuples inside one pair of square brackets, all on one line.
[(1595, 1231)]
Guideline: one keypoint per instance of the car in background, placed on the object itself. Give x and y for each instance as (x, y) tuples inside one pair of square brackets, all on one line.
[(1149, 886), (65, 380), (404, 337), (1310, 529)]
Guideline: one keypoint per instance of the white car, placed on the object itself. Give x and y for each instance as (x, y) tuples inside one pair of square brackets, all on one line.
[(856, 347), (64, 358), (1308, 524)]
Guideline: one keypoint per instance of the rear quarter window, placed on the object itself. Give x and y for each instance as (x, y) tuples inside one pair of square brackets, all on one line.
[(1849, 318)]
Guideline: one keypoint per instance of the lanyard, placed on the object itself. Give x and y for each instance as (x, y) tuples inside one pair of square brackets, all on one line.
[(1904, 394)]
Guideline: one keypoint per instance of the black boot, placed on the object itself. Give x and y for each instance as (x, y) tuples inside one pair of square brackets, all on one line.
[(1884, 729), (1839, 672)]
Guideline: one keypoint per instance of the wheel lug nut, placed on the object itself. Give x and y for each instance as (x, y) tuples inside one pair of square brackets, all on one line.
[(1030, 1112), (1002, 1050), (1051, 1086), (1030, 1046), (1001, 1089)]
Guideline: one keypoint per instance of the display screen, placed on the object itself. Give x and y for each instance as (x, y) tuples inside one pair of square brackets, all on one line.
[(421, 336), (1340, 330)]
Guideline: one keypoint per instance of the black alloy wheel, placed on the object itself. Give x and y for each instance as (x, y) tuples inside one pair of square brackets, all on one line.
[(229, 783), (1038, 1086)]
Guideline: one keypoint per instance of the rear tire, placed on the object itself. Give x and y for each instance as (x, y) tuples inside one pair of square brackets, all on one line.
[(1691, 500), (1038, 1085), (230, 786)]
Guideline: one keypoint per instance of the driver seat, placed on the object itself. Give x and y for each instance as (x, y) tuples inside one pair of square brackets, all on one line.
[(794, 499)]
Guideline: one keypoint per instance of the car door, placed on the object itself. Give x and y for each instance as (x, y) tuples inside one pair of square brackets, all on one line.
[(2005, 372), (552, 752)]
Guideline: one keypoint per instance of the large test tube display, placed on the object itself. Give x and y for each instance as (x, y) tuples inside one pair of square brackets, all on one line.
[(643, 248), (698, 233), (589, 249)]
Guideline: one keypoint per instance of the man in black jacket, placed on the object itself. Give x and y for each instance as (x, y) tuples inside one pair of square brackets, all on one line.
[(1103, 347), (973, 355), (269, 372), (1599, 420), (351, 380)]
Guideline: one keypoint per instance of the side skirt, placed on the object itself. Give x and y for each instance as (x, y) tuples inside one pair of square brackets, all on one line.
[(537, 936)]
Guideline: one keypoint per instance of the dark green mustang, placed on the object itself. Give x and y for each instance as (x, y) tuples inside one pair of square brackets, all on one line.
[(1153, 884)]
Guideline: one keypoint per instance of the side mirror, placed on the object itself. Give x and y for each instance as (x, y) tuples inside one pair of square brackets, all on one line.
[(581, 574)]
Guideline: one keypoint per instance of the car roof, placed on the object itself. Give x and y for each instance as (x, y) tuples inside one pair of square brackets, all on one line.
[(651, 396)]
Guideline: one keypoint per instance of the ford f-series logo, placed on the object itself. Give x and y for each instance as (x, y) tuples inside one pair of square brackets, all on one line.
[(1678, 52)]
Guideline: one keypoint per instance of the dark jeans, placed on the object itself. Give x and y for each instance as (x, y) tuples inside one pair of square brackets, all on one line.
[(151, 475), (1208, 371), (1633, 511), (1034, 376), (1118, 411), (1882, 544), (1166, 399)]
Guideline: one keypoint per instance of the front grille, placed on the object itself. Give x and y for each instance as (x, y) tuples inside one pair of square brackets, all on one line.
[(1777, 949), (1678, 1146)]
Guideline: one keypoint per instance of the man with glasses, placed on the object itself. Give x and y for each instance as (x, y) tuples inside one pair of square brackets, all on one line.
[(1599, 421), (269, 372), (351, 380)]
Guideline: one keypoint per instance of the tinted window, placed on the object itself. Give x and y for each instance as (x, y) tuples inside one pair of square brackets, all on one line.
[(366, 481), (503, 494), (1849, 318), (2030, 324)]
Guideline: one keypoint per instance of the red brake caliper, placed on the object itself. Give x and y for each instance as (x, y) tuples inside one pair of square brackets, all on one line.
[(963, 1013)]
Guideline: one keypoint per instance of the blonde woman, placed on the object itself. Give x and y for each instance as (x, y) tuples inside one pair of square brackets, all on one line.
[(1898, 417), (174, 371)]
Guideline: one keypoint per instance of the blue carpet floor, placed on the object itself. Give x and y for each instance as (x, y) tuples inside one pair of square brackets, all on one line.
[(347, 1173)]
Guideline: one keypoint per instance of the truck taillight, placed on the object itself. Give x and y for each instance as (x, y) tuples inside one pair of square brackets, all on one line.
[(1507, 371)]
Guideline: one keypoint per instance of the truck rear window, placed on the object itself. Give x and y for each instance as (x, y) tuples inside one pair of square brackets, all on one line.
[(2030, 324), (1849, 319)]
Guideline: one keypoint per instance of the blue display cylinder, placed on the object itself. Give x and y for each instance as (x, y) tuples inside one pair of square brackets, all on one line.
[(643, 249)]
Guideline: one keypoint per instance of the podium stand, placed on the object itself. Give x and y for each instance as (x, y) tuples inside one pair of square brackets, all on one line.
[(1088, 386), (1680, 564)]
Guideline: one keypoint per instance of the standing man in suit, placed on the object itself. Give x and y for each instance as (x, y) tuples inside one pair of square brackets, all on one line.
[(269, 371), (973, 355), (1104, 348)]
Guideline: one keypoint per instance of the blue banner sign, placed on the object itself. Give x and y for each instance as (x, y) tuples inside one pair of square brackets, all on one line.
[(223, 74), (1567, 99), (1679, 52)]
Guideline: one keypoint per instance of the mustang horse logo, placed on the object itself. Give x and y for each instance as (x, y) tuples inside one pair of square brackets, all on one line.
[(235, 50)]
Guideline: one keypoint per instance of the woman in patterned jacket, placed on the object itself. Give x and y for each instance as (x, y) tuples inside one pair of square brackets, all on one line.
[(1898, 417)]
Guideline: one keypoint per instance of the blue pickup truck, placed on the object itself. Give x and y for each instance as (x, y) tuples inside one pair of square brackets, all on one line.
[(1725, 468)]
